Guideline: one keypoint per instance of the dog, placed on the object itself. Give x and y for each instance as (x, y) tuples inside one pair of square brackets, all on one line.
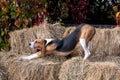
[(83, 34)]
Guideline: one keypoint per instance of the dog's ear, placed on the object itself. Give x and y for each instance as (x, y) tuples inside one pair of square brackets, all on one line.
[(45, 41), (43, 47)]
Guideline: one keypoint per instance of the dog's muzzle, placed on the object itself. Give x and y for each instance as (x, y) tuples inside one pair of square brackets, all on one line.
[(31, 44), (39, 49)]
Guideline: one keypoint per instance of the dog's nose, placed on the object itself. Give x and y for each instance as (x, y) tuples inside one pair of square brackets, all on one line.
[(29, 44)]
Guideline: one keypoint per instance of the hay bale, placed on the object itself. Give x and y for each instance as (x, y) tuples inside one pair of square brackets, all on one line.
[(102, 71), (37, 69), (72, 69), (20, 39), (76, 69), (106, 42)]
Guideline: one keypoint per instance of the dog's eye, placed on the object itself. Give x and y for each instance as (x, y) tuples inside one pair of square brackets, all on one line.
[(35, 41)]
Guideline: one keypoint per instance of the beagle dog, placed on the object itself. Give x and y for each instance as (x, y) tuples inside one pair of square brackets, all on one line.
[(83, 34)]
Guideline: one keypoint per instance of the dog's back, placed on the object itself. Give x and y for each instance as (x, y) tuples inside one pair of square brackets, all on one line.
[(68, 43)]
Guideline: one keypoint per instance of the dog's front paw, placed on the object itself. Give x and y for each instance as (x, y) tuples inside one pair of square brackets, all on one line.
[(25, 58), (30, 57)]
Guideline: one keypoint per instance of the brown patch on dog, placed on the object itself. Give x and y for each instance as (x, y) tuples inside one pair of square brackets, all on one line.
[(51, 47), (87, 32), (42, 49), (39, 45)]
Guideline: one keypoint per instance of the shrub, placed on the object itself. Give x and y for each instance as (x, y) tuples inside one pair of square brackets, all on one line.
[(17, 14)]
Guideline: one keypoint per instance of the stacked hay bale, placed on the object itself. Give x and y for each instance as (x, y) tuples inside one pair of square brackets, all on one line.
[(38, 69), (58, 68), (20, 39), (77, 69), (105, 42)]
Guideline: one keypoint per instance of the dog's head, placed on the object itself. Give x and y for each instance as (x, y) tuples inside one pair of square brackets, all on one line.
[(38, 44)]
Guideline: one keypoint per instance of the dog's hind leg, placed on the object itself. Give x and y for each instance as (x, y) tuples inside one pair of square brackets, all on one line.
[(85, 48), (87, 33), (88, 45), (85, 42), (32, 56)]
